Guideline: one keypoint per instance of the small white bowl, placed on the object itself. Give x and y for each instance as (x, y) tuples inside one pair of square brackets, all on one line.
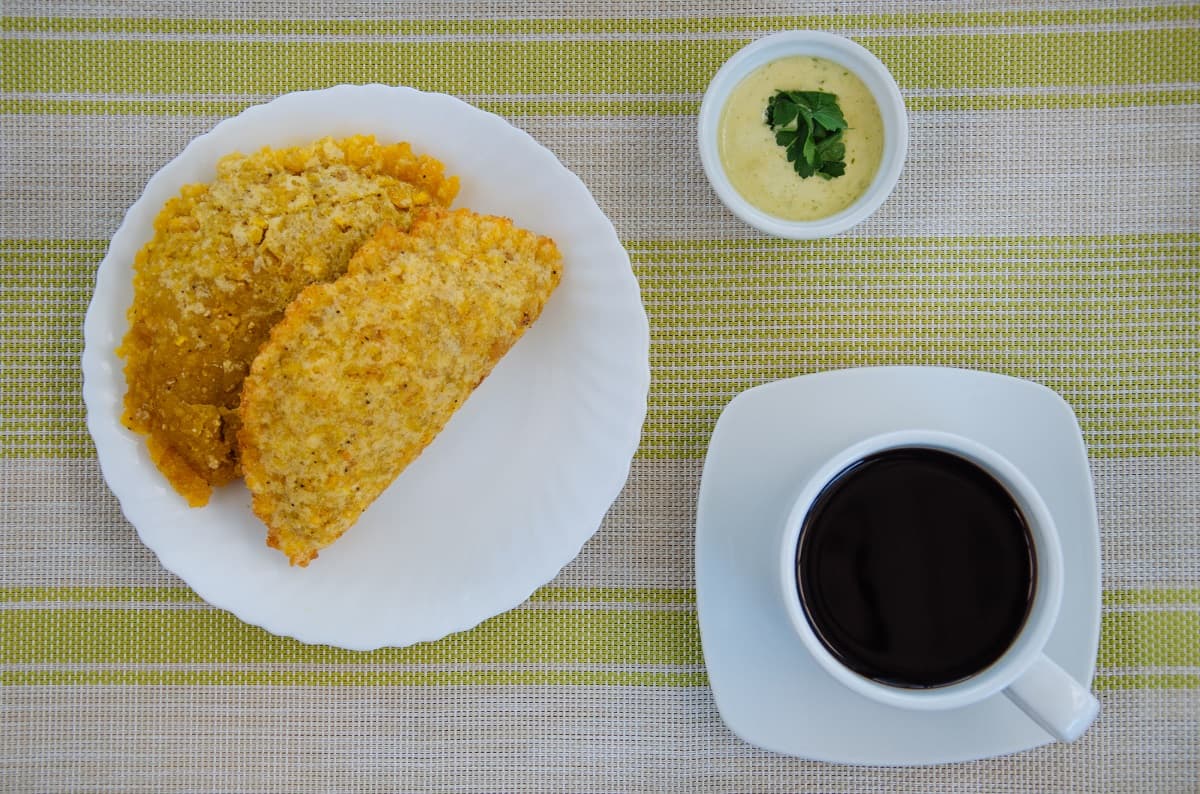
[(822, 45)]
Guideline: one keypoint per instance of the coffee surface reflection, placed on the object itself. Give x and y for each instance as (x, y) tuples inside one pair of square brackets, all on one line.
[(915, 568)]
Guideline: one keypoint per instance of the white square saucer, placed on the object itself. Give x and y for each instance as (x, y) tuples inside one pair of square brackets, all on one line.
[(768, 440)]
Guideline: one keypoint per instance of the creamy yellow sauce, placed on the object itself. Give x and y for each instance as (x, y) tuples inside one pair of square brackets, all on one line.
[(758, 167)]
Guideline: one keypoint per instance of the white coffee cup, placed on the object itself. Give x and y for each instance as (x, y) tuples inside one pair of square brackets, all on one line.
[(1030, 679)]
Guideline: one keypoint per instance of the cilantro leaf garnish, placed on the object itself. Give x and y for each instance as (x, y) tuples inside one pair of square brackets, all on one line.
[(809, 125)]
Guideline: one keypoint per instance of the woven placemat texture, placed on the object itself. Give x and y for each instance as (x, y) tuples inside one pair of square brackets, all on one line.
[(1047, 226)]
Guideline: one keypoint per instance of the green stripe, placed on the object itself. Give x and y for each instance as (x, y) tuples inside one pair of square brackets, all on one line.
[(19, 262), (352, 678), (1035, 261), (585, 636), (656, 596), (687, 438), (1181, 425), (495, 66), (950, 242), (1166, 597), (1153, 244), (1111, 683), (515, 108), (1107, 321), (601, 637), (1176, 596), (1151, 639), (568, 26), (508, 108), (1100, 683), (38, 244), (1171, 596)]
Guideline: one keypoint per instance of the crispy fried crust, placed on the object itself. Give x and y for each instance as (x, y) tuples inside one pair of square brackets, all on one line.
[(225, 260), (362, 373)]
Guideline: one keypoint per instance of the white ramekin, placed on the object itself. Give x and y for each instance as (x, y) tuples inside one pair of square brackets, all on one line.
[(822, 45)]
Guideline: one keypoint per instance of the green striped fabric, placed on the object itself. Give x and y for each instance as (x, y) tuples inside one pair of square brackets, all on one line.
[(1047, 226), (567, 26), (627, 637), (494, 65), (556, 57), (962, 301)]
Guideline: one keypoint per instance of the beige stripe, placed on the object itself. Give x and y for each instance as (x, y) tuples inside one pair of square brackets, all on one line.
[(65, 529), (298, 739), (498, 9), (1050, 90), (1149, 521), (1079, 182), (737, 34)]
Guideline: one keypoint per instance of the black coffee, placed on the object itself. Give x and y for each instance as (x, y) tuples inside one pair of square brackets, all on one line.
[(915, 568)]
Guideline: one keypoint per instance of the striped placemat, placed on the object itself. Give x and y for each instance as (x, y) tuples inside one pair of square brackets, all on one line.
[(1047, 226)]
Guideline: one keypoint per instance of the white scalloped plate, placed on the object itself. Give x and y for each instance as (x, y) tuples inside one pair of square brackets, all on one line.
[(514, 485)]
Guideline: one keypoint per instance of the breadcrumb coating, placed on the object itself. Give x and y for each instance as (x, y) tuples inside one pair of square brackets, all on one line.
[(362, 373), (226, 259)]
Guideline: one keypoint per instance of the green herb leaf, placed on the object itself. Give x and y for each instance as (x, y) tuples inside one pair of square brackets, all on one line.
[(809, 125), (830, 118), (831, 147), (831, 169), (786, 114), (809, 150)]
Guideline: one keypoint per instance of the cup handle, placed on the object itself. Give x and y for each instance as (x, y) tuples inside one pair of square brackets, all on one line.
[(1054, 700)]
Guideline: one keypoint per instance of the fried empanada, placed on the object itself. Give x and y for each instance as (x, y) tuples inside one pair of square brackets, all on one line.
[(363, 372), (225, 260)]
